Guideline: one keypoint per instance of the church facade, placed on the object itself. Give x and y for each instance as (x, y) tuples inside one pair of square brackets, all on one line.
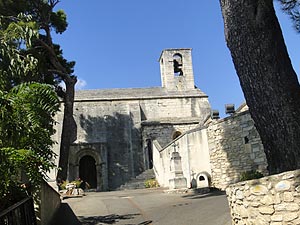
[(119, 133), (115, 127)]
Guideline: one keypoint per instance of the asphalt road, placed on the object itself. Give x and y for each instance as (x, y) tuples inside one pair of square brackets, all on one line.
[(142, 207)]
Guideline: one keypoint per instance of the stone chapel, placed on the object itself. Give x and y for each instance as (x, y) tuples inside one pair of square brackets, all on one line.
[(119, 133), (115, 127)]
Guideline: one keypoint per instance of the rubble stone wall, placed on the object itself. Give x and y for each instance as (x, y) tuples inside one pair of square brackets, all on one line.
[(234, 147), (273, 200)]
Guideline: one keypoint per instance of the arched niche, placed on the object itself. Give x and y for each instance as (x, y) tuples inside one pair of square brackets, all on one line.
[(203, 180)]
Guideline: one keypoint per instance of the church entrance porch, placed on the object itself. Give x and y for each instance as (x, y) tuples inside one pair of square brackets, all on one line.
[(89, 163)]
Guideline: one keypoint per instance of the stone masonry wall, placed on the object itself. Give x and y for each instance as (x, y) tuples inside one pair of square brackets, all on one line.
[(163, 132), (234, 147), (273, 200)]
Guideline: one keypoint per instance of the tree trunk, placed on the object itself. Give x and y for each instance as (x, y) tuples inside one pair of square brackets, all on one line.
[(267, 78), (68, 128)]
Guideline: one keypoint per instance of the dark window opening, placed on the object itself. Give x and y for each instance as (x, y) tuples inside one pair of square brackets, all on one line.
[(177, 63), (201, 178), (246, 139), (150, 153)]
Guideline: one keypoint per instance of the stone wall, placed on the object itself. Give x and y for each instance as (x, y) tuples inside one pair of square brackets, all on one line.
[(193, 150), (234, 147), (175, 107), (273, 200), (114, 118), (163, 132), (47, 202)]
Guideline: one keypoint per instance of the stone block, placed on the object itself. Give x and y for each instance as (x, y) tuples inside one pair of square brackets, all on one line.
[(287, 176), (263, 220), (267, 200), (288, 197), (259, 160), (266, 210), (239, 194), (283, 186), (292, 206), (277, 198), (287, 217), (177, 182), (280, 207), (255, 204), (259, 190), (277, 218)]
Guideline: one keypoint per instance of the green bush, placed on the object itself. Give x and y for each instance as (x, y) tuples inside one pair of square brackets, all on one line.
[(151, 183), (250, 175)]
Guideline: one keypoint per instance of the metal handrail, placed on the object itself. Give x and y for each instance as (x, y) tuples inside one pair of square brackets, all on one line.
[(21, 213)]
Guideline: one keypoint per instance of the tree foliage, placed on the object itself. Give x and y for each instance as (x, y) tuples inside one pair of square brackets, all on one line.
[(52, 67), (26, 126), (26, 110), (292, 8), (15, 65)]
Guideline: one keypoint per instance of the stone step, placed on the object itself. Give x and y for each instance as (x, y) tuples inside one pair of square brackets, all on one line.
[(139, 181)]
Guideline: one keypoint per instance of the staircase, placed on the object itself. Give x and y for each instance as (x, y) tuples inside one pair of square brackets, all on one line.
[(139, 181)]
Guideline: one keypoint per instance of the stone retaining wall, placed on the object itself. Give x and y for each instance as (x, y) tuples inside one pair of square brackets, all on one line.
[(47, 203), (273, 200), (234, 147)]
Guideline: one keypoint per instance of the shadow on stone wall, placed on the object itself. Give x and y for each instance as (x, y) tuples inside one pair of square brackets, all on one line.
[(123, 141), (164, 133)]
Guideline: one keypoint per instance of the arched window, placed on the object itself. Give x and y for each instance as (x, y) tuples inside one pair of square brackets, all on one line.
[(177, 64), (176, 134)]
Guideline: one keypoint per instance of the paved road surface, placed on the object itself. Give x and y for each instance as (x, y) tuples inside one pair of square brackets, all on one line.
[(142, 207)]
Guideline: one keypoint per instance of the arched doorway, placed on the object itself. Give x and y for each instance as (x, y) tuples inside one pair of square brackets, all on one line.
[(150, 153), (87, 170)]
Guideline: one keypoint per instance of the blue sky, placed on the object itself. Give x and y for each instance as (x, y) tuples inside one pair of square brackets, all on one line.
[(116, 44)]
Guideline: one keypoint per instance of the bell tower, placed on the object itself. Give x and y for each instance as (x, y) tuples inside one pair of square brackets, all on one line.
[(176, 69)]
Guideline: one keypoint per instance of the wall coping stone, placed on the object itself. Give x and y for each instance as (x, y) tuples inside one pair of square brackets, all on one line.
[(171, 121), (135, 94)]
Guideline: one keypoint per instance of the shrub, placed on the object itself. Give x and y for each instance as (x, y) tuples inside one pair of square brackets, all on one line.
[(151, 183), (250, 175), (77, 183)]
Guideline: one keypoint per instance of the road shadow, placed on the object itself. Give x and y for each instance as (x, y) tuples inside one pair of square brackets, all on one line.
[(108, 219), (211, 193), (65, 216)]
